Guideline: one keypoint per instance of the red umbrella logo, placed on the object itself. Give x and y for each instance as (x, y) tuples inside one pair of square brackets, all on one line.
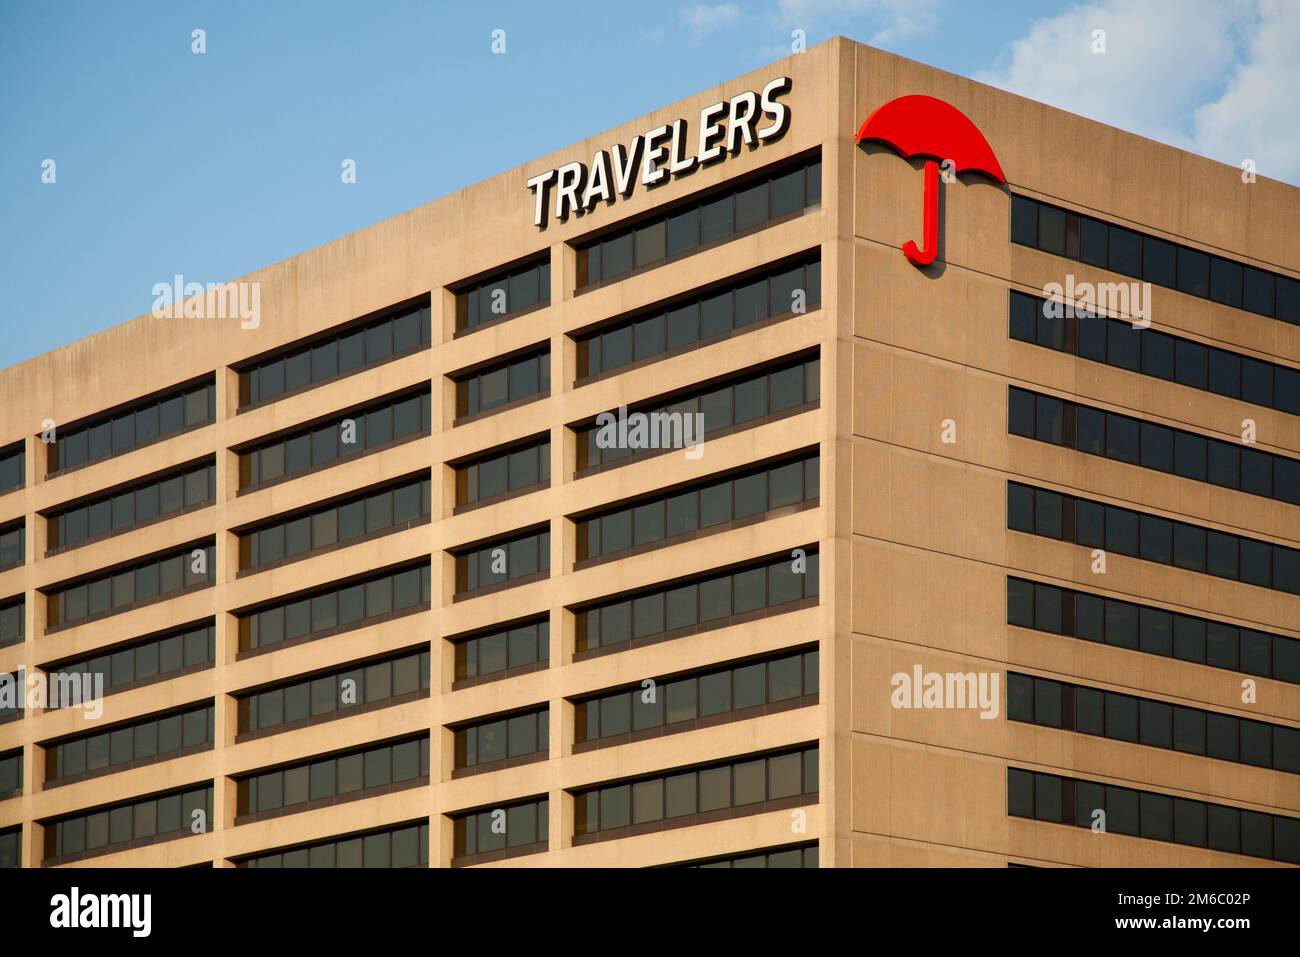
[(923, 126)]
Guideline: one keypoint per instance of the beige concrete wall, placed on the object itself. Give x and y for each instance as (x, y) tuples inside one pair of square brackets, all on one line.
[(912, 530), (931, 551), (417, 253)]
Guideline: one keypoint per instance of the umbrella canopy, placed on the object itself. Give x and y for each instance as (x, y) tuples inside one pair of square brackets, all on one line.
[(919, 125)]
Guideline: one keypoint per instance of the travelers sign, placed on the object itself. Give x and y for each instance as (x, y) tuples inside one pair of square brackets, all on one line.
[(662, 154)]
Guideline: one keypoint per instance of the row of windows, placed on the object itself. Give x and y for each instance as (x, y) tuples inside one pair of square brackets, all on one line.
[(389, 508), (13, 467), (1098, 243), (511, 381), (350, 434), (1152, 446), (1154, 631), (153, 578), (335, 776), (334, 693), (520, 646), (680, 701), (1159, 354), (799, 856), (13, 543), (499, 473), (737, 209), (142, 502), (404, 846), (714, 216), (731, 404), (184, 812), (335, 607), (138, 425), (503, 828), (13, 627), (1122, 717), (1151, 538), (504, 560), (702, 506), (499, 740), (152, 657), (152, 737), (1157, 817), (11, 847), (731, 689), (680, 795), (744, 398), (503, 295), (698, 318), (339, 354), (11, 774), (707, 601)]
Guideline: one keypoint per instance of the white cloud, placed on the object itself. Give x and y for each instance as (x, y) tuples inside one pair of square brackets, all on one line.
[(704, 18), (900, 18), (1258, 115), (1213, 76)]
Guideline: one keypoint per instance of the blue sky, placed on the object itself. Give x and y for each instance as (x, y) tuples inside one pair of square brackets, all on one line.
[(217, 164)]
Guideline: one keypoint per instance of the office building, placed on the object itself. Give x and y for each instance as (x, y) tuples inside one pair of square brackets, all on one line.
[(370, 577)]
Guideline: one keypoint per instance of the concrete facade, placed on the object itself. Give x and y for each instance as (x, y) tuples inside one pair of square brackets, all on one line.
[(912, 530)]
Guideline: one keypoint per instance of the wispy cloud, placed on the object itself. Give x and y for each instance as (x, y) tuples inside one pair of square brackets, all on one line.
[(703, 18), (1258, 114), (1211, 76), (893, 19)]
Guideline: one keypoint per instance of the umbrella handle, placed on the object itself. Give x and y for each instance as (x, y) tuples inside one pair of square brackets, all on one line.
[(923, 257)]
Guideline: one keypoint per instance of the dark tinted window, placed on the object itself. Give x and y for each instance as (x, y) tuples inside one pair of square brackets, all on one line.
[(334, 776), (154, 736), (141, 502), (350, 433), (369, 343), (120, 432), (502, 561), (1156, 724), (375, 511), (335, 692), (526, 827), (175, 815), (335, 607), (1157, 354), (685, 510), (504, 295), (496, 385), (1227, 556), (734, 689), (785, 290), (715, 216), (13, 468), (705, 601), (743, 399), (403, 846), (108, 594), (674, 798), (1066, 233)]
